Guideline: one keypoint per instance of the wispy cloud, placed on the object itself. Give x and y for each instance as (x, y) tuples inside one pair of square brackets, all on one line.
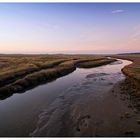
[(117, 11), (135, 36)]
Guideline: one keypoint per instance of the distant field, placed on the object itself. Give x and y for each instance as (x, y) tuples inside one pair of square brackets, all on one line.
[(20, 72)]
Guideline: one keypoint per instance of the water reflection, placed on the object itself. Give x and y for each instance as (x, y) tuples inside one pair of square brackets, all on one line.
[(24, 109)]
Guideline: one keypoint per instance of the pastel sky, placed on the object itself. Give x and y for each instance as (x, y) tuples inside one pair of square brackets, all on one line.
[(69, 27)]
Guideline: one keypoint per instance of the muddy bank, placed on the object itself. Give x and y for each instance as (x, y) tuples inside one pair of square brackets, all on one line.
[(131, 87), (109, 117)]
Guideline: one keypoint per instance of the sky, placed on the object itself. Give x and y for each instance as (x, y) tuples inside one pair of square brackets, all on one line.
[(69, 28)]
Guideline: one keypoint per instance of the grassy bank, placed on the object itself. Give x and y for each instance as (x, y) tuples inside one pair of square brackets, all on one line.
[(131, 85), (132, 70), (95, 63), (21, 72)]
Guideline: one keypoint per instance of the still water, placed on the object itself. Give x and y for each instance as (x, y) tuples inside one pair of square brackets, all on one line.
[(19, 114)]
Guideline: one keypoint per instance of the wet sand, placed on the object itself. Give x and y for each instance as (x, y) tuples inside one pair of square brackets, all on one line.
[(110, 116)]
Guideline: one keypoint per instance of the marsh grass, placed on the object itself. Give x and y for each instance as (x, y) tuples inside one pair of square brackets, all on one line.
[(29, 71), (132, 70), (95, 63)]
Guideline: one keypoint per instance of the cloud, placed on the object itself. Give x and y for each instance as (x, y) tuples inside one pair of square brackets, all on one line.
[(117, 11), (135, 36)]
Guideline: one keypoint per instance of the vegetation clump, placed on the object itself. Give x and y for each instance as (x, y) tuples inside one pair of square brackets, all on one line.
[(95, 63)]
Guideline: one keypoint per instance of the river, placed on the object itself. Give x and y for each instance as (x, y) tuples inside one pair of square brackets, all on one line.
[(78, 104)]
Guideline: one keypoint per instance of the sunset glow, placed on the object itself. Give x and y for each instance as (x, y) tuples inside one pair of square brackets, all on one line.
[(69, 28)]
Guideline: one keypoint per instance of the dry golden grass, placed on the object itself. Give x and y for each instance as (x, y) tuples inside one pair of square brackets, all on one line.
[(95, 63), (20, 72)]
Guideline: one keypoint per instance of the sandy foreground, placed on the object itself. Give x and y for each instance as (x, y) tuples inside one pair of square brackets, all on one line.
[(110, 116)]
